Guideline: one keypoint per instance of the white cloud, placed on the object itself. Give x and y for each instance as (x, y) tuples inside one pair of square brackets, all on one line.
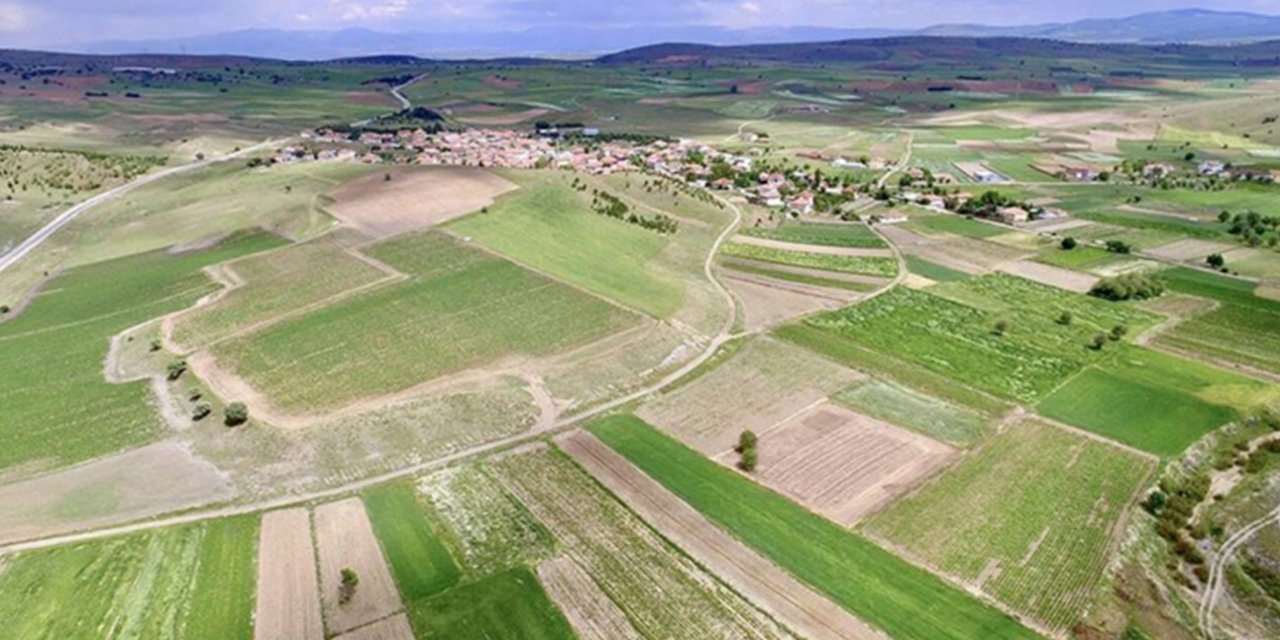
[(12, 18), (349, 11)]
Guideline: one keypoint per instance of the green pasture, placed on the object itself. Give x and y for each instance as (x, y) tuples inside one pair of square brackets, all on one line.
[(419, 560), (934, 271), (1244, 328), (830, 235), (955, 224), (510, 605)]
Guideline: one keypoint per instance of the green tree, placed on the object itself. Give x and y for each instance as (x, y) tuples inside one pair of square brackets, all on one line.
[(1118, 332), (236, 413), (747, 441), (1068, 243), (1216, 260), (1001, 327), (347, 587), (1065, 318), (749, 459), (201, 411), (1099, 341), (176, 368)]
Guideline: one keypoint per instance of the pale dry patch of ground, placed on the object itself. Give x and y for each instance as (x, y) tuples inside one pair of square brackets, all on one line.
[(843, 464), (767, 302), (1190, 249), (288, 603), (1269, 291), (965, 254), (155, 479), (916, 281), (1058, 226), (414, 198), (589, 610), (1053, 276), (1128, 266), (783, 597), (813, 248), (345, 539), (394, 628), (763, 384)]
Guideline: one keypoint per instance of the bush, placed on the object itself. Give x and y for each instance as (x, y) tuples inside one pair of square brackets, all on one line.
[(176, 368), (347, 588), (235, 414), (201, 411), (1130, 286), (4, 309), (1119, 246), (1065, 318), (1118, 332), (1099, 341), (1068, 243), (749, 460), (1216, 260), (156, 345), (1001, 327)]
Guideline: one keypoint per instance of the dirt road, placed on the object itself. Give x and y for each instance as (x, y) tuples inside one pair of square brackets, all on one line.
[(1217, 570)]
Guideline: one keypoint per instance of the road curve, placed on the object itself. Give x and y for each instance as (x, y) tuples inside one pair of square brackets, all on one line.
[(1219, 567), (44, 233)]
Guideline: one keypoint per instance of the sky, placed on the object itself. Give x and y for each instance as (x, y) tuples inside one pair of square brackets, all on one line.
[(28, 23)]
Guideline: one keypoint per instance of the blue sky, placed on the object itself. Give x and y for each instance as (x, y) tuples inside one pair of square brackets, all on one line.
[(45, 22)]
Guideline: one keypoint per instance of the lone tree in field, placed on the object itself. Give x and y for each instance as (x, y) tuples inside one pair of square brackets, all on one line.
[(747, 440), (235, 414), (1216, 260), (1099, 341), (347, 588), (747, 443), (1068, 243), (201, 411), (749, 460), (1065, 318)]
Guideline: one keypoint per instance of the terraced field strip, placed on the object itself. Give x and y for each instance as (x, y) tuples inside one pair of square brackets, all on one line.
[(345, 540), (879, 265), (589, 610), (903, 600), (1049, 275), (1029, 518), (1243, 330), (662, 592), (288, 604), (821, 234), (789, 601), (394, 628), (865, 252)]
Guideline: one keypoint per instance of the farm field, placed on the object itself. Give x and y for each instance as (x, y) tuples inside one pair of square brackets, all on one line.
[(871, 266), (822, 234), (404, 200), (905, 407), (1029, 518), (955, 224), (195, 581), (934, 271), (59, 407), (441, 320), (1244, 329), (1024, 362), (511, 604), (873, 584), (1153, 401), (419, 560)]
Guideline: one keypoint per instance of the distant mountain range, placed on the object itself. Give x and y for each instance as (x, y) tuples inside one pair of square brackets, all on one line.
[(1180, 26)]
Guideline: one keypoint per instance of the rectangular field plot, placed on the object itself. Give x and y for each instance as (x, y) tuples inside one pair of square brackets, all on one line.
[(870, 266), (421, 563), (459, 308), (1244, 329), (589, 610), (763, 384), (828, 235), (345, 540), (288, 602), (1029, 518), (1153, 401), (906, 602), (842, 464), (58, 407), (955, 335), (905, 407), (273, 284), (185, 582), (511, 604), (662, 593)]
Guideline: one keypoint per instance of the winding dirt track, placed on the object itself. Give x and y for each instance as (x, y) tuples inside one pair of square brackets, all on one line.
[(785, 598), (1219, 567)]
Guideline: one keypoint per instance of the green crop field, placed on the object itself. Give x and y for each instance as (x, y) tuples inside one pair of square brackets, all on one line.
[(1244, 328), (420, 562), (1028, 517), (460, 307), (551, 227), (830, 235), (195, 581), (955, 224), (934, 271), (959, 340), (1082, 258), (759, 269), (276, 283), (59, 409), (885, 591), (1154, 401), (883, 267), (511, 605), (908, 408)]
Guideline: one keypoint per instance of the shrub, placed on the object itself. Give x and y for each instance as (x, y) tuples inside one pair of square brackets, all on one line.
[(236, 413), (1118, 331), (4, 309), (1068, 243), (201, 411), (1001, 327), (176, 368), (1129, 286), (1065, 318), (1119, 246), (347, 588), (747, 441), (1216, 260), (156, 345), (749, 460), (1099, 341)]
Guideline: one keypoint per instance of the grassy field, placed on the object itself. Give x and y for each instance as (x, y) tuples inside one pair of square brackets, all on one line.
[(908, 408), (420, 562), (461, 307), (829, 235), (1244, 329), (511, 604), (1081, 258), (955, 224), (885, 591), (1029, 518), (955, 336), (276, 283), (1154, 401), (58, 407), (186, 582), (551, 227), (884, 267), (756, 268), (934, 271)]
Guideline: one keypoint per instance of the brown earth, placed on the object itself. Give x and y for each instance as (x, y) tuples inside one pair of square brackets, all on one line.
[(589, 610), (506, 84), (767, 302), (414, 198), (786, 599), (345, 539), (843, 464), (394, 628), (1050, 275), (288, 606)]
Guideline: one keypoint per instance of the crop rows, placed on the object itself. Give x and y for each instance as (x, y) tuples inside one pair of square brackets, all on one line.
[(830, 235), (884, 267)]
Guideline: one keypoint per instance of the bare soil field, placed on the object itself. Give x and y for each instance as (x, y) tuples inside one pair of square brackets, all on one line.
[(1058, 226), (345, 539), (785, 598), (966, 254), (767, 302), (151, 480), (1050, 275), (394, 628), (1269, 291), (414, 198), (589, 610), (763, 384), (288, 604), (1189, 250), (843, 464), (813, 248)]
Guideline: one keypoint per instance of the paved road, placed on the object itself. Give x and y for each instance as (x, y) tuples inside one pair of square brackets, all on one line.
[(39, 237)]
